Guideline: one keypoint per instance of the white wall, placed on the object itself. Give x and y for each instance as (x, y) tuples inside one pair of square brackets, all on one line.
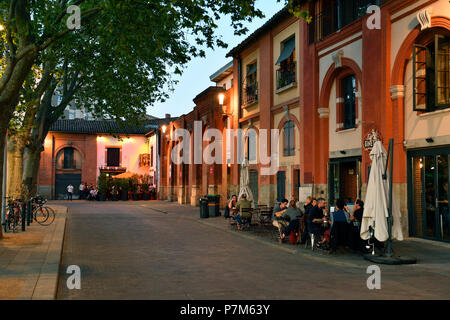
[(132, 147)]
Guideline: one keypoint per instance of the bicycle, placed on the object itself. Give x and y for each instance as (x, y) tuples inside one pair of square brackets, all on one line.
[(42, 214), (13, 217)]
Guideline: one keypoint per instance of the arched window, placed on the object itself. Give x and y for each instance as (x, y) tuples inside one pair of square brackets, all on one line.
[(289, 146), (68, 158)]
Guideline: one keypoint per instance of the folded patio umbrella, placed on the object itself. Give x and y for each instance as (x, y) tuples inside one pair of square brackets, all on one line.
[(244, 183), (377, 200)]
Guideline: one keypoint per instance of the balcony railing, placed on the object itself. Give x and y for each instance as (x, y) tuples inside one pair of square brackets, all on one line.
[(250, 93), (112, 169), (337, 15), (286, 75)]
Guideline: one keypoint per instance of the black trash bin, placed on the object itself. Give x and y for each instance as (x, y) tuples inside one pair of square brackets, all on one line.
[(204, 208), (213, 205)]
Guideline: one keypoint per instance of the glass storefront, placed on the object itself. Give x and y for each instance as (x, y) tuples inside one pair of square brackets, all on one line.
[(344, 179), (428, 193)]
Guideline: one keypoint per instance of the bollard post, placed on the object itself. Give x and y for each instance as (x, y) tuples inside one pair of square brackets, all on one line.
[(29, 212), (23, 215)]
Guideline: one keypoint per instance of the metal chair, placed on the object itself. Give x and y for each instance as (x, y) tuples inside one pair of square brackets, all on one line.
[(311, 237)]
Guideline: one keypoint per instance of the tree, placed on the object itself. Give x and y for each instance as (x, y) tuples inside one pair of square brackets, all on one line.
[(153, 32)]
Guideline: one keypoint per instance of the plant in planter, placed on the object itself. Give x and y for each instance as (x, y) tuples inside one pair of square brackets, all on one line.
[(103, 184), (134, 185), (145, 186), (123, 186)]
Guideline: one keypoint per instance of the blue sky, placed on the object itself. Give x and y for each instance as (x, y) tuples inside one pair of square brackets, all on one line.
[(195, 78)]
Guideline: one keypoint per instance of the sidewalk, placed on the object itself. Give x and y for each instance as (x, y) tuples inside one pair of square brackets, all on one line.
[(29, 261), (432, 256)]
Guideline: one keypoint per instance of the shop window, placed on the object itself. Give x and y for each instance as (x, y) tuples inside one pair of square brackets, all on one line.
[(431, 75), (113, 157), (286, 74), (68, 159), (349, 94), (289, 146)]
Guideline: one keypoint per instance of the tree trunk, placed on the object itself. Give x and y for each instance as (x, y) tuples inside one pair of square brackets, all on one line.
[(30, 172), (16, 146)]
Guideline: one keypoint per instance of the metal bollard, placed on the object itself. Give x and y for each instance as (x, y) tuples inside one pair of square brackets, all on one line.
[(23, 215), (29, 212)]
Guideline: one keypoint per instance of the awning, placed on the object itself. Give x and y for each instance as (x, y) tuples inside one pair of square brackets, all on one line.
[(252, 69), (287, 51)]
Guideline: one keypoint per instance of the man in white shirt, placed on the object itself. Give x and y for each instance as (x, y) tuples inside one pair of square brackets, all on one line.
[(81, 188), (69, 192)]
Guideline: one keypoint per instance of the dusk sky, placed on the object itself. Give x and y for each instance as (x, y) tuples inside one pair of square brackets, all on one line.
[(195, 78)]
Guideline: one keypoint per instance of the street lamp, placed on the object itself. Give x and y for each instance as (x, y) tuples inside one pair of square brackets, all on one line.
[(221, 101)]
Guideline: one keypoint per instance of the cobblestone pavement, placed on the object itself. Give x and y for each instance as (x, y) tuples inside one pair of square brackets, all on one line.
[(160, 250)]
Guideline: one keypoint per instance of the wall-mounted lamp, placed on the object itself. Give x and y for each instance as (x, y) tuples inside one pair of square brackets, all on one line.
[(221, 101), (343, 152), (163, 128), (429, 140)]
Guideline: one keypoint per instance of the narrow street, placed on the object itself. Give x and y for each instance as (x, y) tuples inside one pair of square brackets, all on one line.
[(159, 250)]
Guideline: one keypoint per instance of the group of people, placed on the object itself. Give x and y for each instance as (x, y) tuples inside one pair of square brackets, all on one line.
[(329, 229), (239, 211), (88, 192)]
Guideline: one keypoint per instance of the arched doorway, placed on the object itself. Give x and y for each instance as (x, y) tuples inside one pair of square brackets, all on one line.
[(68, 171)]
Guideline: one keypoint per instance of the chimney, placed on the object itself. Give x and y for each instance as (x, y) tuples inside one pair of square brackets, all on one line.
[(167, 115)]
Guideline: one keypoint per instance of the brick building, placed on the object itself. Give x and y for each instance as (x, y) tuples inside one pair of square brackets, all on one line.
[(355, 71)]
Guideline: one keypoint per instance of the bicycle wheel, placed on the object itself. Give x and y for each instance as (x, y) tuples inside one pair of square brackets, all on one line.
[(40, 214), (51, 216)]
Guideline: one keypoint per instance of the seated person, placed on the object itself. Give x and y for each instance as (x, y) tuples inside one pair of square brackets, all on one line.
[(355, 241), (243, 204), (340, 221), (316, 219), (279, 217), (230, 209), (294, 214), (93, 194)]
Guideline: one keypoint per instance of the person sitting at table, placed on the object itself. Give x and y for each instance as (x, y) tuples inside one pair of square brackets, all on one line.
[(243, 203), (294, 214), (355, 241), (316, 220), (340, 223), (279, 217), (230, 209)]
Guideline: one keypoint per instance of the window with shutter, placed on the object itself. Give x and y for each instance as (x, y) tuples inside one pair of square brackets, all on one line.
[(431, 75), (420, 54), (113, 157), (289, 147)]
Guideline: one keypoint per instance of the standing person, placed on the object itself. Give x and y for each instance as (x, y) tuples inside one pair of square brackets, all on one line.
[(309, 204), (316, 219), (81, 189), (69, 192), (356, 243)]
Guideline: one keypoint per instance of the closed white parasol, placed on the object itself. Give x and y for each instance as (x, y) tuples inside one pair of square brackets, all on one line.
[(244, 183), (377, 200)]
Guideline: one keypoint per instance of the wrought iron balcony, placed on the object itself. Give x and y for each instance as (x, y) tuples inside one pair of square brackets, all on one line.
[(250, 93), (286, 75)]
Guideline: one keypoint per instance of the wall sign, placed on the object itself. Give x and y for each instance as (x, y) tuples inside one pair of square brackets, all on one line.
[(370, 139)]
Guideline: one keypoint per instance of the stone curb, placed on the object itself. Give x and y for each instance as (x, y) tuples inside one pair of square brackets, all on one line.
[(47, 282)]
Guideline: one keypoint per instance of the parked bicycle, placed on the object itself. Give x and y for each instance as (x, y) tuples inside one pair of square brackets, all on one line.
[(42, 214), (13, 218)]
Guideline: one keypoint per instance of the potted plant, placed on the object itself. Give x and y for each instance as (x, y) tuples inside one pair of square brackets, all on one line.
[(134, 184), (102, 184), (123, 189), (145, 186)]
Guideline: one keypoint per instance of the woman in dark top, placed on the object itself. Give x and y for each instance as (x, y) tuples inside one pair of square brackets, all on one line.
[(356, 243)]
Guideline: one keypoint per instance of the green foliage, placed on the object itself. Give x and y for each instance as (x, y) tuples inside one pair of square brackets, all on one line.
[(124, 183), (103, 183), (134, 183)]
